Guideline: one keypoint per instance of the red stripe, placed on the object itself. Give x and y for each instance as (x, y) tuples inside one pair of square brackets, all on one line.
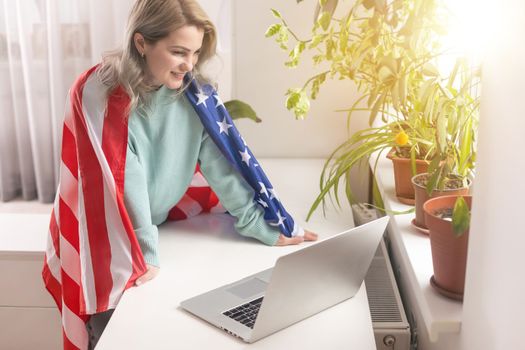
[(114, 145), (69, 151), (93, 193), (176, 214), (71, 295), (204, 196), (213, 201), (68, 345), (68, 225), (52, 285), (54, 232), (115, 134)]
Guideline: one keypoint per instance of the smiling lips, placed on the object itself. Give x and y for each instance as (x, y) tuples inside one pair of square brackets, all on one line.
[(178, 75)]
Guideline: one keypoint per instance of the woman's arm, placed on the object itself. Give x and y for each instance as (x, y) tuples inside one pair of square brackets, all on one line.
[(136, 200), (237, 197)]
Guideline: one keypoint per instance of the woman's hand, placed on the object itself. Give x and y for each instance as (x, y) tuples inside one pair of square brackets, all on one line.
[(308, 236), (150, 274)]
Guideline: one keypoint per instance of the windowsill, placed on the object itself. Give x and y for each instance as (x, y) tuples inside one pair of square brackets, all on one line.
[(412, 249)]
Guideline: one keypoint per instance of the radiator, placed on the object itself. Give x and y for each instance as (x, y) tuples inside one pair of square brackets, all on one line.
[(391, 327)]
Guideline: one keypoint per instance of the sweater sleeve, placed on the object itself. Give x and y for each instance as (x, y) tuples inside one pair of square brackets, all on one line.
[(234, 193), (137, 203)]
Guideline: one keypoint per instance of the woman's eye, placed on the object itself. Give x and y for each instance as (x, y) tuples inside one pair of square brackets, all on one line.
[(178, 53)]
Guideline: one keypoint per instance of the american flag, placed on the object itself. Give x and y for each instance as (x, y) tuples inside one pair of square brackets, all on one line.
[(92, 254), (221, 129)]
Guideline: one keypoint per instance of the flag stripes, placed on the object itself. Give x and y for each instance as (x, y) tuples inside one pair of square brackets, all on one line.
[(92, 254)]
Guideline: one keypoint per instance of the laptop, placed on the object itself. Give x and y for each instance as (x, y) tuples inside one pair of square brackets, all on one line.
[(301, 284)]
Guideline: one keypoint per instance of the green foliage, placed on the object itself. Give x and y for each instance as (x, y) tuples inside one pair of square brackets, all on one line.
[(239, 109), (460, 217), (390, 50)]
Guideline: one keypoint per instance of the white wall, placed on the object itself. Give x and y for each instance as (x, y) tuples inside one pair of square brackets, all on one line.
[(494, 306), (261, 79)]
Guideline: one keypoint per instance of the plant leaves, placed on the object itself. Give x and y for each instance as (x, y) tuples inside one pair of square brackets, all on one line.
[(273, 29), (375, 109), (298, 102), (441, 131), (325, 6), (277, 14), (465, 147), (430, 70), (324, 19), (239, 109), (460, 217)]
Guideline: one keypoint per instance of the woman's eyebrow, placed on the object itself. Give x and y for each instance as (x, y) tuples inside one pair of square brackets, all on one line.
[(181, 48)]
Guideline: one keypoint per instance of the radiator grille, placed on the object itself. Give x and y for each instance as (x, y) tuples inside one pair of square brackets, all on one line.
[(381, 296)]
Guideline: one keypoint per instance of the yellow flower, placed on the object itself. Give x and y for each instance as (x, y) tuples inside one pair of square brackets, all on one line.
[(401, 138)]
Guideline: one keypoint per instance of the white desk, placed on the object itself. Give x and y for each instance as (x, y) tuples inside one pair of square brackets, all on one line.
[(204, 252)]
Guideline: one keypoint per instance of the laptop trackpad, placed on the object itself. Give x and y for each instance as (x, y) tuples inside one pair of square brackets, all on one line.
[(249, 288)]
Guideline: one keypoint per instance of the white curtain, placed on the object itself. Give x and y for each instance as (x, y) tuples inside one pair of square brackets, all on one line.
[(44, 46)]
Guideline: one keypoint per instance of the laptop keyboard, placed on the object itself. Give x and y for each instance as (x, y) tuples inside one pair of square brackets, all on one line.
[(246, 313)]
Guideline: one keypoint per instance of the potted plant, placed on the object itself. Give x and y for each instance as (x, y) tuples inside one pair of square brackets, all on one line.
[(452, 185), (448, 219), (390, 51)]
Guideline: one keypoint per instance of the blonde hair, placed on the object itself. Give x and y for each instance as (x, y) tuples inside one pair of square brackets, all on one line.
[(155, 20)]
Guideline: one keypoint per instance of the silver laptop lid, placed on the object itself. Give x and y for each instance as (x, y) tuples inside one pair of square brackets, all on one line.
[(317, 277)]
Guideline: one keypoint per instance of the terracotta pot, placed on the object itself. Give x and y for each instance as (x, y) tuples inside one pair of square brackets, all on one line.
[(403, 174), (421, 196), (449, 253)]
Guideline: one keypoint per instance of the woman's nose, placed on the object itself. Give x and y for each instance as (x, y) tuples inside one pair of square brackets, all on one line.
[(188, 64)]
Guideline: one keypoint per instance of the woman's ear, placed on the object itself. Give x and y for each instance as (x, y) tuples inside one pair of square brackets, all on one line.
[(140, 43)]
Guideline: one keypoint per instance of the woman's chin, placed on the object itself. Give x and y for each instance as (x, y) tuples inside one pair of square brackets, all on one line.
[(174, 84)]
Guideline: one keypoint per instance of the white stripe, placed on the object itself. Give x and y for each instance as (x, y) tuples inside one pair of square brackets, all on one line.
[(121, 263), (94, 108), (218, 209), (74, 328), (70, 260), (56, 208), (198, 181), (53, 263), (68, 188), (88, 279), (68, 115), (94, 102), (189, 206)]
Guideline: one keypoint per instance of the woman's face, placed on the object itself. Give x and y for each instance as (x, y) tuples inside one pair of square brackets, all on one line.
[(169, 59)]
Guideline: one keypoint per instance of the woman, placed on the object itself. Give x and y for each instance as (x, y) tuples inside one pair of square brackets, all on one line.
[(168, 40), (167, 133)]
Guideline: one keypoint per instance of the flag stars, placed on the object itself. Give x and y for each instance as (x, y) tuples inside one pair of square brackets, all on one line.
[(273, 194), (245, 156), (224, 126), (280, 219), (202, 98), (219, 101), (263, 189), (263, 203)]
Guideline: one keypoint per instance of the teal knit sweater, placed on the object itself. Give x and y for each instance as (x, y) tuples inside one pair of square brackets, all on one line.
[(163, 149)]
